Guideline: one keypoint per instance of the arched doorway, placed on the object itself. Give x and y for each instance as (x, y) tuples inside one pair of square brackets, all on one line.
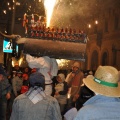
[(104, 59), (94, 60)]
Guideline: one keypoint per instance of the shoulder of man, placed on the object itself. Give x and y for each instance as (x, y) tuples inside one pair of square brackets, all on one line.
[(51, 99), (20, 97), (84, 113)]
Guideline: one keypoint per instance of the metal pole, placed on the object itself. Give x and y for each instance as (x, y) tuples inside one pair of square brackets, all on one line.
[(9, 59), (13, 17)]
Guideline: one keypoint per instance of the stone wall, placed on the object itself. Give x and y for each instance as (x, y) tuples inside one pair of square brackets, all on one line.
[(109, 49)]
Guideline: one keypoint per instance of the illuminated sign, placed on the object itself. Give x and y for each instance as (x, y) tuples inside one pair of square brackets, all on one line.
[(8, 46)]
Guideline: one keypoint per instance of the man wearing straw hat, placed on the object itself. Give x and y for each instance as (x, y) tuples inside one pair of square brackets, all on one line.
[(105, 105), (74, 81)]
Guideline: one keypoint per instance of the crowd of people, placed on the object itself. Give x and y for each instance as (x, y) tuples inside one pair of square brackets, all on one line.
[(40, 91), (64, 34), (37, 29)]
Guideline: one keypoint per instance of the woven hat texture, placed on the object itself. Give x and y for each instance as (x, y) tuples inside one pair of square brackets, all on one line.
[(104, 82)]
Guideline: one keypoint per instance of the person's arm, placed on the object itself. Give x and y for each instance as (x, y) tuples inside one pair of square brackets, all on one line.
[(8, 96), (35, 62), (56, 110), (79, 86), (80, 82), (64, 92), (69, 79), (14, 86), (6, 88), (15, 109)]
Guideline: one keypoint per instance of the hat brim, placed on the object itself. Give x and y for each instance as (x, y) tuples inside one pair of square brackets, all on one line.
[(102, 89)]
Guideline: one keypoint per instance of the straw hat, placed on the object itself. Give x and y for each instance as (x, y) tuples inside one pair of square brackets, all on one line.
[(104, 82)]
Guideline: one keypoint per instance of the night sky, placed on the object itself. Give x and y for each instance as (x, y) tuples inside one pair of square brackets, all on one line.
[(67, 13)]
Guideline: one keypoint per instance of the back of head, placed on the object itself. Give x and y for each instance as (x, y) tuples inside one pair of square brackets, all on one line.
[(33, 70), (37, 79), (104, 82)]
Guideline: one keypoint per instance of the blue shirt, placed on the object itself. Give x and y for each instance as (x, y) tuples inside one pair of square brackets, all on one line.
[(100, 108)]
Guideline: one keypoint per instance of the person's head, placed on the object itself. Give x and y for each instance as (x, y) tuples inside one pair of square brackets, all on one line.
[(104, 82), (3, 74), (76, 67), (25, 76), (60, 77), (33, 70), (19, 73), (26, 70), (85, 74), (16, 67), (37, 79), (90, 72)]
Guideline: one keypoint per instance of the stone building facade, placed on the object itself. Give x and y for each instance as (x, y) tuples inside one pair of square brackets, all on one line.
[(103, 47)]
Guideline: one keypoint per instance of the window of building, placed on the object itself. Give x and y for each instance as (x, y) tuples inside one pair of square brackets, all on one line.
[(106, 26), (116, 22), (94, 60), (114, 55), (104, 59)]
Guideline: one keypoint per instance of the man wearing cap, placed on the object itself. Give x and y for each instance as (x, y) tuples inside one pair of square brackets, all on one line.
[(35, 104), (5, 90), (105, 105), (74, 80), (17, 83)]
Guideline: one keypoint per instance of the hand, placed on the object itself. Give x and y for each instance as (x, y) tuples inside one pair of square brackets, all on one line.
[(73, 74), (8, 96)]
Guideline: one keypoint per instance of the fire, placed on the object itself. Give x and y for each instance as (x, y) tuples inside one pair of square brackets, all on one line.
[(49, 7)]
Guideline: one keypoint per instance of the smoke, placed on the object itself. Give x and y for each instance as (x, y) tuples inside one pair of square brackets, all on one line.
[(72, 13), (77, 13)]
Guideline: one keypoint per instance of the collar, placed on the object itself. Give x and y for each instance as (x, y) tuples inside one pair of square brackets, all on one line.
[(100, 99), (36, 94)]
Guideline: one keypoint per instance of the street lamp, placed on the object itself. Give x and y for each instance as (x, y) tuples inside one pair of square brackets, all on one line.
[(89, 26), (96, 24)]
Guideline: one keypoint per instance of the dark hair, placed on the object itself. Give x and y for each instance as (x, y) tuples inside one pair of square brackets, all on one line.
[(37, 79)]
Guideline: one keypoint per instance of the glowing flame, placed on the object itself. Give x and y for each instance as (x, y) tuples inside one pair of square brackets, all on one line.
[(49, 6)]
